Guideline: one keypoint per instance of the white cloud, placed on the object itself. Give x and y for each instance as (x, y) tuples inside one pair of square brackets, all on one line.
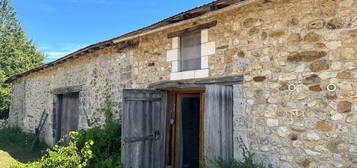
[(51, 56), (56, 55), (54, 52)]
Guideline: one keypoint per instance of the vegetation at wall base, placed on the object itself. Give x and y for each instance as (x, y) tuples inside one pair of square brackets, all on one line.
[(107, 139), (67, 156), (18, 144), (97, 147), (107, 145), (219, 163), (247, 162)]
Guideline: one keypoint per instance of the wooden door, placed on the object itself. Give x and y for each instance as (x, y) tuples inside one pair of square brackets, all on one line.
[(143, 129), (219, 122), (68, 114)]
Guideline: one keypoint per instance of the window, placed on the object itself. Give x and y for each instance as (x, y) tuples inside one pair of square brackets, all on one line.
[(190, 51), (189, 54)]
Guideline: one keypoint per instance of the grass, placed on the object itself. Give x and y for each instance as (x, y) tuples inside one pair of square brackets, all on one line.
[(6, 160), (15, 146)]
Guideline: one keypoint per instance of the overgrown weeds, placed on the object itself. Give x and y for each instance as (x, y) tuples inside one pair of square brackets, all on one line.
[(107, 145), (247, 162), (97, 147), (67, 156), (107, 139), (18, 144)]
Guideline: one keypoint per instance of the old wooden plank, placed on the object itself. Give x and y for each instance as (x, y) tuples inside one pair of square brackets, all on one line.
[(158, 145), (133, 92), (143, 124), (192, 29), (227, 122), (74, 111), (59, 117), (202, 127), (141, 99), (197, 83), (169, 116), (66, 114), (125, 123), (54, 118), (219, 122)]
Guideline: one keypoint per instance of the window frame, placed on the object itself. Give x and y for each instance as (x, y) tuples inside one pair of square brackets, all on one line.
[(198, 55), (207, 48)]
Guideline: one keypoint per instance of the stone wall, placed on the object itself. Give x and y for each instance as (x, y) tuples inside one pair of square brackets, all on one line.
[(289, 51), (16, 116), (304, 46), (96, 73)]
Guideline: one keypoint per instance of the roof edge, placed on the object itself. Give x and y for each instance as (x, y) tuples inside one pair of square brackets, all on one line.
[(209, 9), (238, 4)]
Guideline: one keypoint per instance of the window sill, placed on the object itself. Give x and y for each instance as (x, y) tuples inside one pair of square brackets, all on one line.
[(194, 74)]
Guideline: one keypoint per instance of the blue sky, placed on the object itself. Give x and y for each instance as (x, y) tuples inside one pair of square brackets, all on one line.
[(59, 27)]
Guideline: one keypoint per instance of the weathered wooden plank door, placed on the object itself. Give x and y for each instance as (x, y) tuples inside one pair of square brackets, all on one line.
[(219, 122), (68, 114), (143, 129)]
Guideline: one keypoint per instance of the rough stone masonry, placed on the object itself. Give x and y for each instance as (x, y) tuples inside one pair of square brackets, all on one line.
[(298, 58)]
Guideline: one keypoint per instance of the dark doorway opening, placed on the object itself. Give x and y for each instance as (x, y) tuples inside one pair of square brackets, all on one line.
[(190, 132), (67, 114), (187, 142)]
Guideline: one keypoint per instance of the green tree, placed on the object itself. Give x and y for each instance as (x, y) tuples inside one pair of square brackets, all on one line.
[(17, 54)]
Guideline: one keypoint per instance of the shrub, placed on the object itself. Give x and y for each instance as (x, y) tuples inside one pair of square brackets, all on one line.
[(64, 156), (107, 144), (97, 147), (107, 139)]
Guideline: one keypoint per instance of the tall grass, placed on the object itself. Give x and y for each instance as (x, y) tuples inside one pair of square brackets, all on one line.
[(18, 144)]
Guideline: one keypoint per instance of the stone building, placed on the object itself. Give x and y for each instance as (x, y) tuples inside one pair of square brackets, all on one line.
[(278, 74)]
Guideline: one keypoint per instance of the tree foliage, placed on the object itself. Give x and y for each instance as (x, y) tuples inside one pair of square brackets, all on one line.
[(17, 54)]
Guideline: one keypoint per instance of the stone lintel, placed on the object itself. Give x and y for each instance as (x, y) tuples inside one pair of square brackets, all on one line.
[(69, 89)]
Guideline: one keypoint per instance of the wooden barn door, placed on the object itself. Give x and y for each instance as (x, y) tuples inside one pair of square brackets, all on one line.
[(143, 129), (219, 122), (68, 114)]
